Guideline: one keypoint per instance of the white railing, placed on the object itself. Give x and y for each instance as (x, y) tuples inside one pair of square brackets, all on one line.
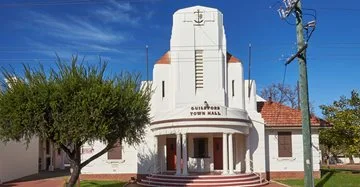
[(257, 173)]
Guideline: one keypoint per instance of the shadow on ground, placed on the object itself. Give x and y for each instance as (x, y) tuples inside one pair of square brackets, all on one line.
[(39, 176), (326, 176)]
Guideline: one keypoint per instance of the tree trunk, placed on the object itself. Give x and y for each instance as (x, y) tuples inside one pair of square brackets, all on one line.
[(75, 160), (351, 159), (336, 158), (327, 157), (74, 176), (76, 168)]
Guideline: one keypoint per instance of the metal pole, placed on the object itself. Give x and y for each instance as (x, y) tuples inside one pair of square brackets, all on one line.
[(249, 86), (304, 99), (147, 62)]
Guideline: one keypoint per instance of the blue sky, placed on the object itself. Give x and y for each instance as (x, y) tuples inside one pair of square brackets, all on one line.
[(118, 30)]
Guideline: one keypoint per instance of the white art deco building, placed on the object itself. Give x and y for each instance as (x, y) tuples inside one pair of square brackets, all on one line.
[(205, 117)]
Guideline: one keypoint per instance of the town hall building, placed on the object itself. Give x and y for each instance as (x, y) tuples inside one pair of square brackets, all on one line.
[(206, 119)]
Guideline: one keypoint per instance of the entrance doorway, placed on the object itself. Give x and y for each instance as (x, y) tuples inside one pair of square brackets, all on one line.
[(171, 153), (218, 153)]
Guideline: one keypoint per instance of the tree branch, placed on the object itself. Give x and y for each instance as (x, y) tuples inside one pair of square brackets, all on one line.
[(107, 148), (67, 150)]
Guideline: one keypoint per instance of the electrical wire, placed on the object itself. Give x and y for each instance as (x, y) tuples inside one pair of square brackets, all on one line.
[(57, 3)]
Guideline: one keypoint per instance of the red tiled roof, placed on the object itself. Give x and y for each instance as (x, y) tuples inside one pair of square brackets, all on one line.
[(231, 59), (279, 115), (165, 59)]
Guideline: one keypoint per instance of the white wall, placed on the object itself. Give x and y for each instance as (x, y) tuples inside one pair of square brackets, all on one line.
[(295, 163), (146, 154), (161, 73), (102, 165), (187, 37), (17, 160), (257, 132), (250, 97), (236, 74), (257, 143), (346, 160)]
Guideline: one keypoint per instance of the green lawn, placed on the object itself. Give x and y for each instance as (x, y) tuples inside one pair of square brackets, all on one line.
[(332, 178), (102, 184)]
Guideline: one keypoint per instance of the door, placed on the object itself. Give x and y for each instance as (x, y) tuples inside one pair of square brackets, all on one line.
[(171, 153), (218, 154)]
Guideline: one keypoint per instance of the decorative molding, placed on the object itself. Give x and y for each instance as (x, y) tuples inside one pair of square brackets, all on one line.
[(199, 119)]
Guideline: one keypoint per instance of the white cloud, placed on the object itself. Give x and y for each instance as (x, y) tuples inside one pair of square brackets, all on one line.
[(67, 49), (149, 14), (88, 35), (125, 6), (109, 15), (75, 28), (118, 12)]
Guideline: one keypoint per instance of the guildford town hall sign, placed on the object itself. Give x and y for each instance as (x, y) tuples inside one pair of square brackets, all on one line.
[(205, 111)]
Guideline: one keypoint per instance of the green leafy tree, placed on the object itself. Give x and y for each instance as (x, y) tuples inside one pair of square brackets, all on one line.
[(71, 105), (329, 143), (344, 136)]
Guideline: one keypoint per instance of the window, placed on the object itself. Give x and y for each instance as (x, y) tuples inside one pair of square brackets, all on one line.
[(232, 87), (200, 147), (284, 144), (199, 69), (163, 89), (116, 152)]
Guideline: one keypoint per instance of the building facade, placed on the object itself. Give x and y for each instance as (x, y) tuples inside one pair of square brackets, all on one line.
[(205, 117), (18, 159), (50, 156)]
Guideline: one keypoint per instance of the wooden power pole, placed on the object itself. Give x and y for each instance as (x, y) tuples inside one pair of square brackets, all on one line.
[(304, 99), (295, 6)]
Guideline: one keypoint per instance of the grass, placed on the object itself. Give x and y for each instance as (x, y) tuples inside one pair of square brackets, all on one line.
[(102, 184), (331, 178)]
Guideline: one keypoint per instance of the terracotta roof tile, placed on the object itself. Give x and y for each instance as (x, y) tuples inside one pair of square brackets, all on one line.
[(231, 59), (279, 115), (165, 59)]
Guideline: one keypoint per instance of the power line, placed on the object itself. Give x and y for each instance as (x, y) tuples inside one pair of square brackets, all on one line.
[(141, 46), (57, 3), (340, 8)]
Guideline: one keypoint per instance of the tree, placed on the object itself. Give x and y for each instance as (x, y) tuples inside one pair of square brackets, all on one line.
[(344, 115), (71, 105), (284, 94), (329, 143)]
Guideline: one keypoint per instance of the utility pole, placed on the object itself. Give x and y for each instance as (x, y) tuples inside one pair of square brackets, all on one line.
[(304, 99), (295, 6)]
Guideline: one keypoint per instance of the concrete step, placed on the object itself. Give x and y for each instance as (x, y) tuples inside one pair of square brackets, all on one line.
[(240, 180), (202, 180)]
